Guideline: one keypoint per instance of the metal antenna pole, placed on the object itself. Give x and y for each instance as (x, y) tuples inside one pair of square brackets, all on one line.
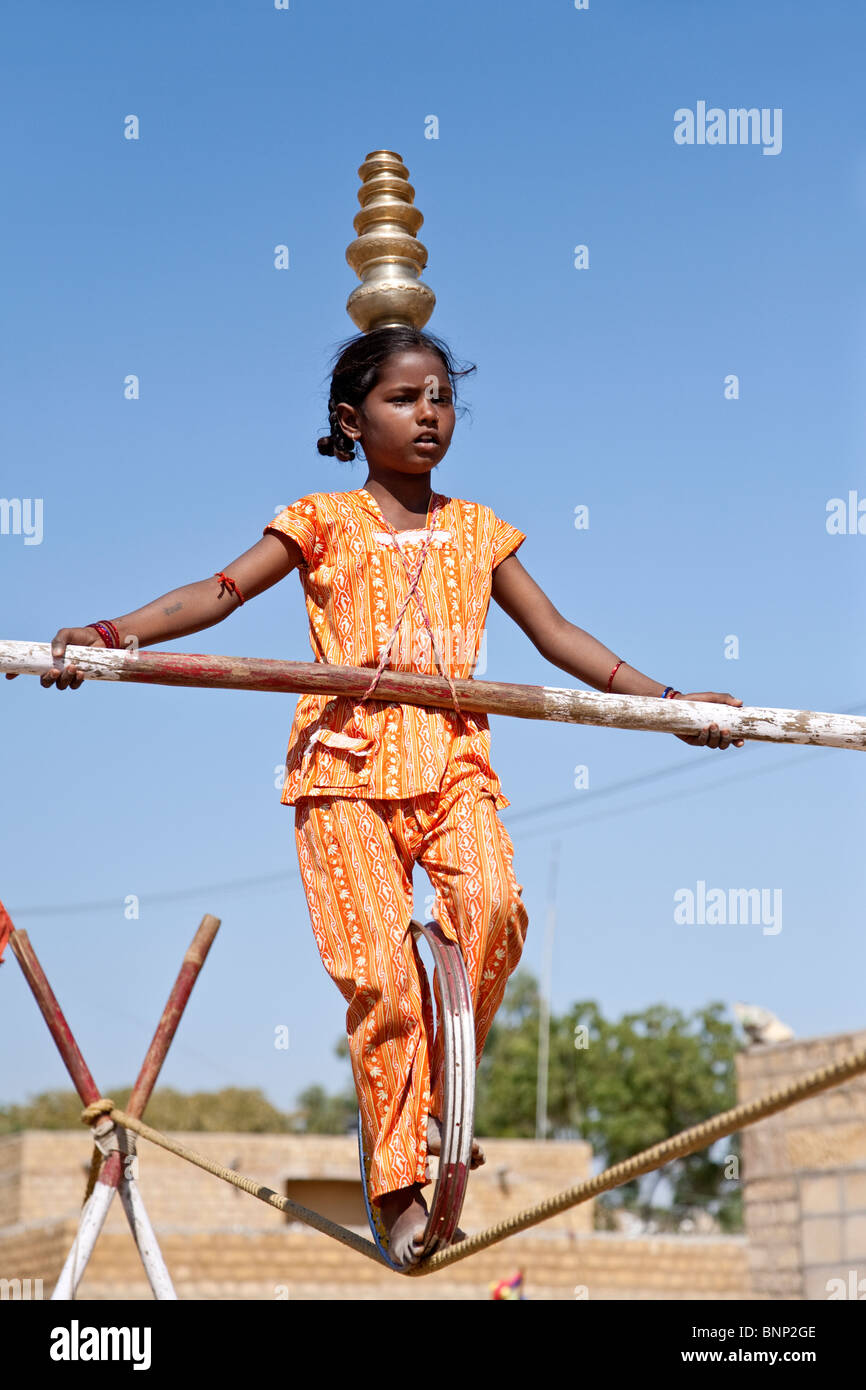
[(541, 1121)]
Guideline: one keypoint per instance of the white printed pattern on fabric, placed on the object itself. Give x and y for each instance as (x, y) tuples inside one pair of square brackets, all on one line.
[(336, 739), (353, 590), (439, 536)]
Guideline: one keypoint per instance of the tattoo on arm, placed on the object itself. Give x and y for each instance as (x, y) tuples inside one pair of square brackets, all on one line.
[(175, 608)]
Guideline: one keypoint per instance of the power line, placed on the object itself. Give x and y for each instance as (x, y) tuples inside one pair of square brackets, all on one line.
[(545, 808), (672, 769), (166, 896), (671, 796)]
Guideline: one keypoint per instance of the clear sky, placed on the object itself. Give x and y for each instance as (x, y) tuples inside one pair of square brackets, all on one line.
[(602, 387)]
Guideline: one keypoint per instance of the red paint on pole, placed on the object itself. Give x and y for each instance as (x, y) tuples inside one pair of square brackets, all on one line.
[(54, 1017), (112, 1168), (6, 930), (319, 678), (171, 1014)]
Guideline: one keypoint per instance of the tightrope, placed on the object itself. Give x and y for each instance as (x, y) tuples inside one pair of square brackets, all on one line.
[(106, 1106), (690, 1140)]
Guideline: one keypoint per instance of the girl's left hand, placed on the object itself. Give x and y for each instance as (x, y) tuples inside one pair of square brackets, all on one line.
[(711, 736)]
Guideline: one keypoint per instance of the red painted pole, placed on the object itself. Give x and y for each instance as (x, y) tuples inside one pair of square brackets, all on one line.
[(563, 705), (53, 1014), (6, 930), (171, 1014), (85, 1085), (112, 1168)]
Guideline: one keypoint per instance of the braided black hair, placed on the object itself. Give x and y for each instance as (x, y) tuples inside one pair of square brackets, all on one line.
[(356, 365)]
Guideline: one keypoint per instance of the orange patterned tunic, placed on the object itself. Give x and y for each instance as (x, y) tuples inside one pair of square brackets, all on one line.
[(354, 583)]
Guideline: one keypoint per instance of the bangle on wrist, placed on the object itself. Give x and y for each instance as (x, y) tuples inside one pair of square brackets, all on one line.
[(671, 694), (611, 676), (107, 631)]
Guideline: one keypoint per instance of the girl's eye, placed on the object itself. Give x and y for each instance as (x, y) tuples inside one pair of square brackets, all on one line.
[(440, 400)]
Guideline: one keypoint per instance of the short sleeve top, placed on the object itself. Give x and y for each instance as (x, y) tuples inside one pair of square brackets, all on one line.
[(354, 584)]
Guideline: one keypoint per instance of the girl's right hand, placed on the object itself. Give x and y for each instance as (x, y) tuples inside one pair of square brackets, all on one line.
[(68, 675)]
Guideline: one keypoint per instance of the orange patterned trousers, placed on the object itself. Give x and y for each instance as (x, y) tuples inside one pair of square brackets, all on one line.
[(356, 859)]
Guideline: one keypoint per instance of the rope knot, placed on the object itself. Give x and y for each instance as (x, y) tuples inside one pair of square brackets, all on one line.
[(91, 1112)]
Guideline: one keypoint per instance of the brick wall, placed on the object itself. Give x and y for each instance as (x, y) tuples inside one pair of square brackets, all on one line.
[(222, 1244), (804, 1173), (46, 1173), (10, 1179), (293, 1263)]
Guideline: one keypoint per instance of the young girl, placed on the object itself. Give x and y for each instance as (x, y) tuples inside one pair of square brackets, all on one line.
[(395, 575)]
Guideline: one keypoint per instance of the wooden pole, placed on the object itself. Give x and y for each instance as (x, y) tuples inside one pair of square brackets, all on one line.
[(145, 1238), (53, 1015), (193, 961), (111, 1176), (647, 712), (68, 1047), (171, 1014)]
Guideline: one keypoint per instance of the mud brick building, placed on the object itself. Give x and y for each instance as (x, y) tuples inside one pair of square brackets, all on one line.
[(803, 1174)]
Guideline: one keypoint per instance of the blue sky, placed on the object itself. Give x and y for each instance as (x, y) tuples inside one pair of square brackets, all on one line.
[(602, 387)]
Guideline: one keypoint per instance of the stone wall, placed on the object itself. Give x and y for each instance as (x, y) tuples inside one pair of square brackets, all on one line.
[(296, 1264), (221, 1244), (43, 1172), (804, 1174)]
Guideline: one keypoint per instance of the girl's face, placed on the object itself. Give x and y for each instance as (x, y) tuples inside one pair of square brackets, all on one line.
[(412, 403)]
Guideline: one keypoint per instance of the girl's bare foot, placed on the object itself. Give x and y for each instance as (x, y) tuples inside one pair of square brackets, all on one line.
[(404, 1216), (434, 1144)]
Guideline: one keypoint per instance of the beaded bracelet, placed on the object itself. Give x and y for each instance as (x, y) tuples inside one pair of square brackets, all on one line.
[(230, 584), (667, 694), (108, 632)]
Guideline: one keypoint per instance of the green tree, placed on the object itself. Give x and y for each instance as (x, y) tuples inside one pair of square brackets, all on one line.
[(621, 1086), (231, 1110), (328, 1114)]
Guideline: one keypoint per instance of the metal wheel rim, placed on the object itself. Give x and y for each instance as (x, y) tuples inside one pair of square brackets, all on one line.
[(458, 1026)]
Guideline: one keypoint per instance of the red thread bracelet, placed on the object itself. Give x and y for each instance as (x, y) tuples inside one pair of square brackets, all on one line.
[(611, 676), (230, 584)]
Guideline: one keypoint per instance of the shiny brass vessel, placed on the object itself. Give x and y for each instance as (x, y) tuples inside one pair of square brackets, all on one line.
[(386, 255)]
